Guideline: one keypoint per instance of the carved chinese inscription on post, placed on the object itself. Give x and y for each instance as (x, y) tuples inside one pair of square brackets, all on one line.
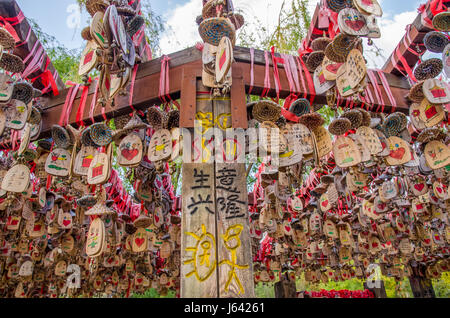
[(198, 245), (229, 199), (201, 180), (233, 239)]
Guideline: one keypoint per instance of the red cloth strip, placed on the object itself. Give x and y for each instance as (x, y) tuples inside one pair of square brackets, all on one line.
[(252, 72), (387, 89), (94, 101), (267, 76), (80, 112), (66, 105), (133, 81), (276, 72)]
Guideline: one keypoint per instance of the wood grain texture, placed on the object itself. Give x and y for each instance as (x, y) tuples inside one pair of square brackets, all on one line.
[(198, 249), (233, 230), (198, 220)]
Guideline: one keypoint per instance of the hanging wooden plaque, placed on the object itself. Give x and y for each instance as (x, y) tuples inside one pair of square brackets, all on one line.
[(99, 170), (83, 160), (346, 152), (65, 220), (130, 151), (292, 154), (140, 241), (323, 141), (88, 58), (414, 115), (6, 87), (362, 147), (384, 143), (352, 22), (356, 67), (300, 134), (330, 69), (95, 238), (116, 82), (117, 28), (16, 179), (160, 147), (296, 204), (25, 139), (437, 154), (321, 84), (436, 91), (431, 114), (369, 7), (98, 31), (343, 82), (325, 204), (224, 59), (58, 163), (400, 152), (371, 139), (330, 230), (16, 114)]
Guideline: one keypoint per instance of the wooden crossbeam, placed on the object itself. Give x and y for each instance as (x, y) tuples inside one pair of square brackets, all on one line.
[(10, 9), (417, 32), (185, 68)]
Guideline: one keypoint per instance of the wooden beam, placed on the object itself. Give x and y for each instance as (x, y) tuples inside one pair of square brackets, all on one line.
[(185, 67), (417, 32), (10, 9)]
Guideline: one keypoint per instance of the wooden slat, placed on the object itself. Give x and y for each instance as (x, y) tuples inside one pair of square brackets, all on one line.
[(188, 96), (233, 230), (238, 106), (198, 234)]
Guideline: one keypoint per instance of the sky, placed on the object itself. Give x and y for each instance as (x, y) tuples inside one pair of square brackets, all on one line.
[(61, 19)]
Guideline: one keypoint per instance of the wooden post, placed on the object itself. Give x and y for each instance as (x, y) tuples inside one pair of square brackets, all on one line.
[(421, 287), (285, 288), (216, 258), (198, 229), (380, 291)]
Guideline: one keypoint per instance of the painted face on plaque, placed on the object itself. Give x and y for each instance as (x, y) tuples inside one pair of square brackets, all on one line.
[(160, 147), (352, 22)]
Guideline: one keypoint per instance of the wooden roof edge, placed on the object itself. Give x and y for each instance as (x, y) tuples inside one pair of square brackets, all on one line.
[(10, 9)]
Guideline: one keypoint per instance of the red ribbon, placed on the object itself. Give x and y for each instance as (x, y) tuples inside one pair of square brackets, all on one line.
[(164, 78), (133, 81), (377, 90), (267, 77), (8, 24), (48, 79), (81, 107), (276, 73), (252, 72), (94, 101), (387, 88), (304, 49)]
